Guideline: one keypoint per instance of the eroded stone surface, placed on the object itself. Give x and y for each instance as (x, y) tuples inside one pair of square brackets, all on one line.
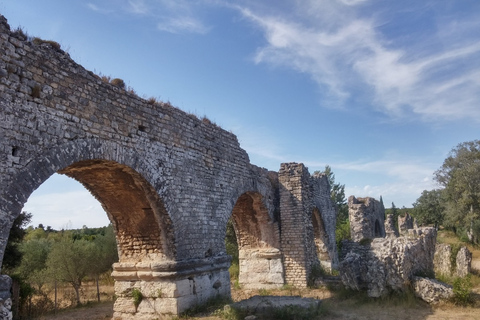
[(367, 218), (431, 290), (387, 264)]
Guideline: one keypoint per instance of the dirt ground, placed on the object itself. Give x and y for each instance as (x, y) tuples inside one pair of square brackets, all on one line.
[(337, 307), (352, 308)]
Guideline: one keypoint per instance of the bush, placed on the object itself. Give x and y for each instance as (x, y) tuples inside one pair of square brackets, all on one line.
[(462, 291)]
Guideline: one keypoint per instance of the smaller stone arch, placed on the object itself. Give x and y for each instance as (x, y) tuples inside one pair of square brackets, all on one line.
[(258, 238), (321, 240)]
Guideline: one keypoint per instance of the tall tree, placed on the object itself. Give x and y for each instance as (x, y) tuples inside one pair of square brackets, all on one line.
[(429, 208), (460, 177)]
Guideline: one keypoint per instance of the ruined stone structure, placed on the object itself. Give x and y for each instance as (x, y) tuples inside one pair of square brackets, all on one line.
[(367, 218), (387, 264), (168, 181), (405, 223), (390, 228), (379, 259), (448, 264)]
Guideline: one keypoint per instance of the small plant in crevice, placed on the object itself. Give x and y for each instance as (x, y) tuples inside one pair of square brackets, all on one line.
[(117, 82), (263, 292), (137, 297), (36, 91)]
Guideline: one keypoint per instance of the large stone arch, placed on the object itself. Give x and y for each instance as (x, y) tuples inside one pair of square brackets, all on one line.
[(258, 238), (122, 173)]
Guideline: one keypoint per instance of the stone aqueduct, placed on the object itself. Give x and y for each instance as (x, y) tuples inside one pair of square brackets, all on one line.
[(168, 181)]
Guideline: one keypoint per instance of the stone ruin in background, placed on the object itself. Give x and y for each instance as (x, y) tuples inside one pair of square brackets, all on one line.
[(380, 259)]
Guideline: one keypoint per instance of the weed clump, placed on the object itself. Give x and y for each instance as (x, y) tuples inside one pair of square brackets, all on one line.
[(137, 297), (117, 82), (52, 43)]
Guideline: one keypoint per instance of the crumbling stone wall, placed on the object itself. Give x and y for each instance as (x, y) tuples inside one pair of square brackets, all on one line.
[(168, 181), (387, 263), (405, 223), (390, 228), (367, 218)]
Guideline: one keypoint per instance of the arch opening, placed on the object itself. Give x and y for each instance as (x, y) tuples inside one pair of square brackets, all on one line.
[(142, 226), (321, 240), (258, 239)]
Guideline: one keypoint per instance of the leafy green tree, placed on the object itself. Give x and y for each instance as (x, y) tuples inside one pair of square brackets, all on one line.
[(33, 266), (13, 255), (429, 208), (71, 261), (460, 177)]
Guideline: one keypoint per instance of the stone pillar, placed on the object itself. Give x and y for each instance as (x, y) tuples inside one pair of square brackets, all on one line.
[(442, 259), (168, 288), (261, 268), (296, 229), (463, 262), (390, 228)]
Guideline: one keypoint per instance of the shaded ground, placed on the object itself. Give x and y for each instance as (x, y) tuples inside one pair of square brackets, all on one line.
[(97, 311)]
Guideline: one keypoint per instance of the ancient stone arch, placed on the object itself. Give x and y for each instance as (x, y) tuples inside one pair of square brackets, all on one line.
[(258, 238), (179, 179)]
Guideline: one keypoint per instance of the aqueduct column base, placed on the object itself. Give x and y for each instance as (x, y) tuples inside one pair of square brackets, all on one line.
[(168, 289)]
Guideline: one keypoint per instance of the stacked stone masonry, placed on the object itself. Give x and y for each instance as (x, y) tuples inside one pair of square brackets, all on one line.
[(168, 181)]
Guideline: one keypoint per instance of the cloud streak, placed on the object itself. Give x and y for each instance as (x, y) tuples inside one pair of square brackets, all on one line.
[(349, 56)]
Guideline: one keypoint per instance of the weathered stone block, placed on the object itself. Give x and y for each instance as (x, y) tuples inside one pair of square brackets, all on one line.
[(432, 291)]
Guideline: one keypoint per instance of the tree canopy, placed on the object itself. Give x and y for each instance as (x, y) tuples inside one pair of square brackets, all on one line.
[(429, 208), (460, 177)]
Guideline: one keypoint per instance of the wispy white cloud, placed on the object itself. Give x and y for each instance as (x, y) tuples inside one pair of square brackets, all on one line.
[(347, 53), (138, 6), (180, 24)]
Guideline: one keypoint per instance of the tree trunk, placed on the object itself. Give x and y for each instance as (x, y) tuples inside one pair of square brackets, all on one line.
[(77, 292), (98, 289)]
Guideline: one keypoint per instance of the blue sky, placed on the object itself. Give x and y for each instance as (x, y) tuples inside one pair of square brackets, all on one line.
[(379, 90)]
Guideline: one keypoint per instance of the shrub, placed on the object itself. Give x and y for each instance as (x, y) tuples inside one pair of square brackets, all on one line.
[(462, 291)]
